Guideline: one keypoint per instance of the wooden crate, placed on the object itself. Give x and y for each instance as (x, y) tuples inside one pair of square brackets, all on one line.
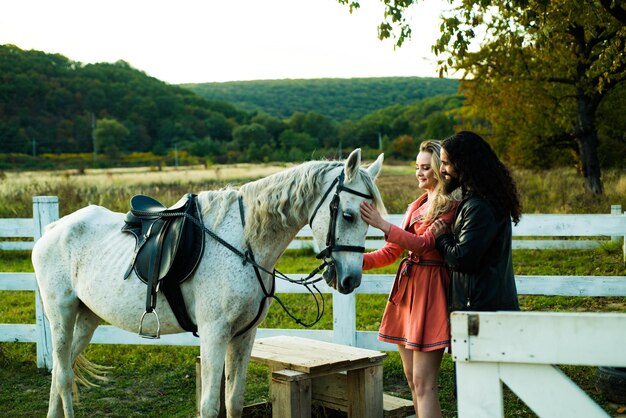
[(331, 392)]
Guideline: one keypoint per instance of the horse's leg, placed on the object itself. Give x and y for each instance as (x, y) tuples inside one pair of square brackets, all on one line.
[(237, 358), (62, 317), (86, 324), (212, 354)]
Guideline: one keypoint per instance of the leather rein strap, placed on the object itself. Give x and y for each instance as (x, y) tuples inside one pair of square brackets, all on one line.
[(266, 294), (326, 254)]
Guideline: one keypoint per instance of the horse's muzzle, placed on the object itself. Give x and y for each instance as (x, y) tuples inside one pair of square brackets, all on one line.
[(343, 284), (330, 275), (347, 284)]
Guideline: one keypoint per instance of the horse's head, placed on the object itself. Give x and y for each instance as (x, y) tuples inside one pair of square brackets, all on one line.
[(337, 224)]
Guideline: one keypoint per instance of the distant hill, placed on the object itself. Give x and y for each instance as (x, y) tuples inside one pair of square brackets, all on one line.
[(49, 101), (51, 105), (339, 99)]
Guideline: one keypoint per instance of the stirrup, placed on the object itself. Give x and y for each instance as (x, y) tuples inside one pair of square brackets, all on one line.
[(148, 335)]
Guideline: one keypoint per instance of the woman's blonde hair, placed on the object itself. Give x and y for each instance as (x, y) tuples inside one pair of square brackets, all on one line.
[(441, 202)]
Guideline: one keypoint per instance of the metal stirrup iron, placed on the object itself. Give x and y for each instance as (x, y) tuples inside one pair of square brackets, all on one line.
[(144, 334)]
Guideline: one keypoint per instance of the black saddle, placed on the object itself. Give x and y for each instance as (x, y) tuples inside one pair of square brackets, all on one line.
[(169, 246)]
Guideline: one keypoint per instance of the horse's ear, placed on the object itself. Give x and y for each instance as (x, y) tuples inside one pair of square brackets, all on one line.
[(374, 169), (352, 164)]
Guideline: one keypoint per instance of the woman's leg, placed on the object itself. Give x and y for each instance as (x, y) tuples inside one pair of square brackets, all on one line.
[(426, 366), (421, 369), (407, 365)]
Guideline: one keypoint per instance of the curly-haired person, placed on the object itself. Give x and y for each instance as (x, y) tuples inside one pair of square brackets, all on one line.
[(478, 248)]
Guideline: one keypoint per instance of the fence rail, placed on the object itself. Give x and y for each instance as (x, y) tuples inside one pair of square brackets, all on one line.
[(45, 210), (602, 227), (565, 231), (491, 348)]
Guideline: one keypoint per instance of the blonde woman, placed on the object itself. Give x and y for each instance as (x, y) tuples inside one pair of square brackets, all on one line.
[(416, 315)]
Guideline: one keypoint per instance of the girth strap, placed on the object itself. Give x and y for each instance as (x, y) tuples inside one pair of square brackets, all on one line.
[(174, 296)]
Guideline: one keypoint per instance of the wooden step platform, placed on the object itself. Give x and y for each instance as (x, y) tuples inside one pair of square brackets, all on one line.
[(394, 407)]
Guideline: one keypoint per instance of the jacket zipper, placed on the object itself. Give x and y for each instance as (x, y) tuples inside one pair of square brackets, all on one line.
[(468, 300)]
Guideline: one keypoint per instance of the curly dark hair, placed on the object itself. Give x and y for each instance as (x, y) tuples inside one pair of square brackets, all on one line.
[(481, 171)]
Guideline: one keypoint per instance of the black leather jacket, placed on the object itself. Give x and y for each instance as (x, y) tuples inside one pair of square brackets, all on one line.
[(480, 259)]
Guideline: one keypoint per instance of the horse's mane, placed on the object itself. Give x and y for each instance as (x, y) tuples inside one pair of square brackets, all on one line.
[(214, 204), (278, 201)]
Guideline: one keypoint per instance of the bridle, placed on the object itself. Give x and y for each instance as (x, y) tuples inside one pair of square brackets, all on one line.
[(331, 237), (328, 262)]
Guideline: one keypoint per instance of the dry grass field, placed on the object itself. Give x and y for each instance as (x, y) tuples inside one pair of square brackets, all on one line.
[(549, 191)]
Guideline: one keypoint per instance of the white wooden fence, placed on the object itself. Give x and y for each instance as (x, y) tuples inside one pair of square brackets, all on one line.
[(522, 349), (561, 229), (45, 210)]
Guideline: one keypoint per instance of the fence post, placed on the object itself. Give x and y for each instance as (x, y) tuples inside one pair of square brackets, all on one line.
[(616, 210), (45, 211), (344, 319)]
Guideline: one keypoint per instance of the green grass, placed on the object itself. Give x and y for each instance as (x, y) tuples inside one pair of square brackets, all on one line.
[(18, 261), (160, 381)]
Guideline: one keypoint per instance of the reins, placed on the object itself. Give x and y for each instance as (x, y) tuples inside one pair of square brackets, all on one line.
[(248, 257)]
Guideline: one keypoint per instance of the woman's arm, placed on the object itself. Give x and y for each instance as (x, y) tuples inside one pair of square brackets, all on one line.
[(390, 252), (397, 239), (416, 243), (382, 257)]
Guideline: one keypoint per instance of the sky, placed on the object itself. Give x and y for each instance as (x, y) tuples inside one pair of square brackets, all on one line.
[(196, 41)]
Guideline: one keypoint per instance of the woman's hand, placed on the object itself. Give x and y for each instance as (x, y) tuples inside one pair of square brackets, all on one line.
[(372, 217), (439, 227)]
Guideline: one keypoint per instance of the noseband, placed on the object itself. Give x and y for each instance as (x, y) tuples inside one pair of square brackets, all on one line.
[(331, 237)]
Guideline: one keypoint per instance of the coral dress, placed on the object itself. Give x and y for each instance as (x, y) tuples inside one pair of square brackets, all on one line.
[(416, 315)]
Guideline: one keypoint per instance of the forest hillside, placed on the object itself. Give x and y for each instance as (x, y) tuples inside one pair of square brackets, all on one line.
[(337, 98), (57, 111)]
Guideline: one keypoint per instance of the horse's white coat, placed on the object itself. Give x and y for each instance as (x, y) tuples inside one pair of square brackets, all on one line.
[(81, 260)]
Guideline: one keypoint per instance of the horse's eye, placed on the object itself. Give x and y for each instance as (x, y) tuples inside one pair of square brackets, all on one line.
[(348, 216)]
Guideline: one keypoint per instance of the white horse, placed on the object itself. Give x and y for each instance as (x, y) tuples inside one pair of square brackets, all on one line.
[(81, 260)]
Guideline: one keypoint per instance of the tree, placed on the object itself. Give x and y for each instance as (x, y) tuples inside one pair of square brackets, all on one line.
[(316, 125), (320, 127), (274, 125), (404, 146), (218, 126), (110, 136), (541, 72), (254, 135), (298, 140)]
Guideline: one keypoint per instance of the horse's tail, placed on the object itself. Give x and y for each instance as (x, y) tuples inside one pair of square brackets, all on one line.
[(85, 372)]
